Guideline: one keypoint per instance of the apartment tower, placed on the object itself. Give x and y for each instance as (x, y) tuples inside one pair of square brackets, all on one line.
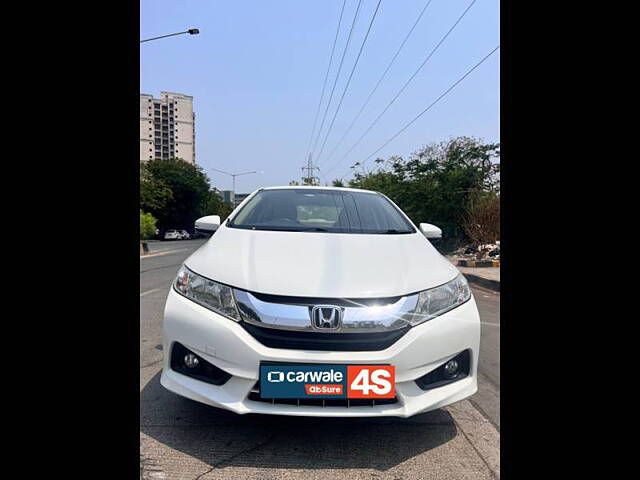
[(167, 127)]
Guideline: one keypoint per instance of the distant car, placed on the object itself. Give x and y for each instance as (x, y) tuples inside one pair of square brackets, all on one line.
[(185, 235), (172, 235)]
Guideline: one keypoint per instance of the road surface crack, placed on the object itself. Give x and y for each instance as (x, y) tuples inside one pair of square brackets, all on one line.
[(258, 446)]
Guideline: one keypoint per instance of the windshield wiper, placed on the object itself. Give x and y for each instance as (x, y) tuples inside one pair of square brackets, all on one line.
[(275, 228), (393, 231), (314, 229)]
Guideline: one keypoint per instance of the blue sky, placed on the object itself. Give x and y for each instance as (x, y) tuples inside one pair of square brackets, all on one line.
[(257, 67)]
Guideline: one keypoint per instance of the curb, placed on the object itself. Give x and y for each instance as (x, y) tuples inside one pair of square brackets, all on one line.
[(479, 432), (478, 263), (483, 282)]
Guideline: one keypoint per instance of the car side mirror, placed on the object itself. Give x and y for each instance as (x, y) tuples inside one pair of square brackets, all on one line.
[(208, 224), (431, 231)]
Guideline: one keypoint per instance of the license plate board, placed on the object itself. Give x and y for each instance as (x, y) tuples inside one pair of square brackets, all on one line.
[(300, 381)]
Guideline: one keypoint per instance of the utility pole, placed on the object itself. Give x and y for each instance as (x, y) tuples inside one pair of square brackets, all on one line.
[(310, 178)]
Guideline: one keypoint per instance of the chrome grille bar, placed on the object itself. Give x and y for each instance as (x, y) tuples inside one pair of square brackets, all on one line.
[(359, 317)]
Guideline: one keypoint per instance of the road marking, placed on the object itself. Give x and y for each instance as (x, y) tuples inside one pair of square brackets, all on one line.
[(153, 290), (162, 253)]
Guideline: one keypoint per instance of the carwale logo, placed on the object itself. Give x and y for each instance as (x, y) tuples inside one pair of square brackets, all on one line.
[(303, 381), (275, 377)]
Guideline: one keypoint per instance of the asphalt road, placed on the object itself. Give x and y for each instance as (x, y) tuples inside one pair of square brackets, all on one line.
[(183, 439)]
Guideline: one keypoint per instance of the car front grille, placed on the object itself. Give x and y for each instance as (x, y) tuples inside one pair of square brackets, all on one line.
[(334, 342), (254, 396)]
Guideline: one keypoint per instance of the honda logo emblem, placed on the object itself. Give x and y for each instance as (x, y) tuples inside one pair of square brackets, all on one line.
[(326, 317)]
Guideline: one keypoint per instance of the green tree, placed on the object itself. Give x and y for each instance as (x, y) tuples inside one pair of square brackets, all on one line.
[(147, 226), (338, 183), (155, 195), (189, 188), (216, 206), (437, 182)]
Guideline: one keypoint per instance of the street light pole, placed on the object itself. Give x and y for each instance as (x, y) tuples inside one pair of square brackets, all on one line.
[(191, 31), (233, 176)]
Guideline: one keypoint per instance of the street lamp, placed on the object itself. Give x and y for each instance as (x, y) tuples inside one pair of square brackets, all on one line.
[(233, 176), (191, 31)]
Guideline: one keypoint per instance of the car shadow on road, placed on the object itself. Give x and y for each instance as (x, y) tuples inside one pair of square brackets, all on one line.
[(221, 438)]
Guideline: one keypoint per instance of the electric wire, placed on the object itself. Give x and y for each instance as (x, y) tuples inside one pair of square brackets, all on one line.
[(432, 104), (382, 77), (326, 77), (402, 89), (324, 116), (346, 87)]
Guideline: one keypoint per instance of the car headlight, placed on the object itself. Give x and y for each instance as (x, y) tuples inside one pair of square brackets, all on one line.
[(212, 295), (438, 300)]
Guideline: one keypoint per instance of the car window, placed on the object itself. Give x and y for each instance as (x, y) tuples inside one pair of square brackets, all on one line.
[(333, 211)]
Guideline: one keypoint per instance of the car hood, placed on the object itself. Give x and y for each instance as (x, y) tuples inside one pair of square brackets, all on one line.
[(316, 264)]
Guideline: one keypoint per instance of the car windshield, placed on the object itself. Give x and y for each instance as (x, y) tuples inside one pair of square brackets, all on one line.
[(316, 210)]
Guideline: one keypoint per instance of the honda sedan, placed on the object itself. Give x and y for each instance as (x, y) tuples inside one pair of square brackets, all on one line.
[(320, 301)]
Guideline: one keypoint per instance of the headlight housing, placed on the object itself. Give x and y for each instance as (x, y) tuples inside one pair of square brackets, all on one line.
[(212, 295), (438, 300)]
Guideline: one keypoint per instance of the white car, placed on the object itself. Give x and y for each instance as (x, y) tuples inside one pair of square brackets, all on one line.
[(172, 235), (357, 316)]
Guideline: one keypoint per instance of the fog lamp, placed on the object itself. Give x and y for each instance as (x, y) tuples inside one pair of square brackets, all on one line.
[(451, 368), (191, 361)]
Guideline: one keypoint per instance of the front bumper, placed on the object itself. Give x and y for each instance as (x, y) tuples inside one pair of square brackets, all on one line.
[(227, 345)]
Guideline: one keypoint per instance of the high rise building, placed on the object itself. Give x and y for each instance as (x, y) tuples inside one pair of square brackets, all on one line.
[(167, 127), (227, 196)]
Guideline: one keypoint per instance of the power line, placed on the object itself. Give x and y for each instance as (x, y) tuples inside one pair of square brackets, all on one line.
[(434, 102), (324, 116), (384, 74), (406, 84), (346, 87), (324, 84)]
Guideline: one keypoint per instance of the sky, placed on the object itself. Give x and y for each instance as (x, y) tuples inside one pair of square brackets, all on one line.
[(257, 67)]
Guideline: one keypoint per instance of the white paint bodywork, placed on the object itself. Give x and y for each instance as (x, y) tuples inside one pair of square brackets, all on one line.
[(210, 223), (317, 264), (430, 231), (326, 265)]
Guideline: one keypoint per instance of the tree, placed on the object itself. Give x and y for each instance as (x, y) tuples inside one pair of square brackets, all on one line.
[(483, 219), (155, 195), (189, 188), (338, 183), (147, 226), (216, 206), (436, 183)]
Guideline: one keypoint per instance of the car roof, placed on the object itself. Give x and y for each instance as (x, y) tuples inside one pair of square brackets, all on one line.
[(316, 187)]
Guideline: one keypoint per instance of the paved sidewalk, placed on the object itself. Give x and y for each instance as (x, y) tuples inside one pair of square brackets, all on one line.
[(488, 277)]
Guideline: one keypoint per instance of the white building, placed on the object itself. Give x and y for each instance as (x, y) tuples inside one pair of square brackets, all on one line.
[(167, 127)]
